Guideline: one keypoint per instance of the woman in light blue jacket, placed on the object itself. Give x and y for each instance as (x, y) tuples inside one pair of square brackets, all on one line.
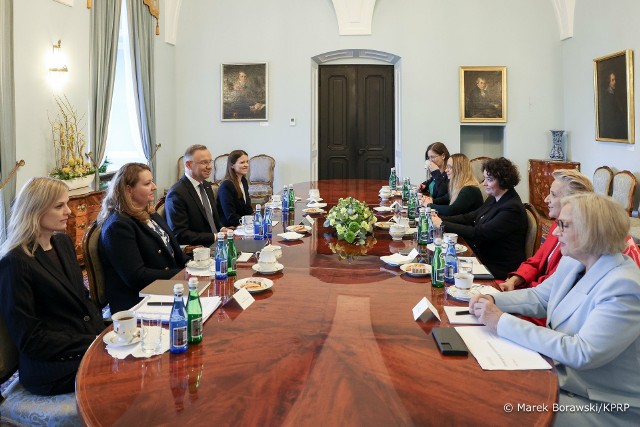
[(592, 305)]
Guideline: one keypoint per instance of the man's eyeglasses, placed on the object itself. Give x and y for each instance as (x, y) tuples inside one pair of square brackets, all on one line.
[(205, 162), (562, 225)]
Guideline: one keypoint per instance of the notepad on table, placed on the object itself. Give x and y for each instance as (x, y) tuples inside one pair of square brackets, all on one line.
[(209, 305), (165, 287)]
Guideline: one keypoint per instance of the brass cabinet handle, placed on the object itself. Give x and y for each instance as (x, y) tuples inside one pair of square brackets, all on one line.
[(82, 207), (83, 225)]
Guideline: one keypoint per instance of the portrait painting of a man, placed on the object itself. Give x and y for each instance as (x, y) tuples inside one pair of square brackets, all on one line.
[(483, 94), (244, 91), (613, 83)]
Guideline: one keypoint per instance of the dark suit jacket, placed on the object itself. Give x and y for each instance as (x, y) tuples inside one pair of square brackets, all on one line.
[(496, 231), (133, 256), (440, 187), (48, 314), (186, 215), (231, 207)]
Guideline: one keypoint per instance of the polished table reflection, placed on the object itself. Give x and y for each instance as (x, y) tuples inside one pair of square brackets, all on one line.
[(332, 343)]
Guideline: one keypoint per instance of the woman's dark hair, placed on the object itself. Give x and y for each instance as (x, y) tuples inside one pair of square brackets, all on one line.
[(502, 170), (231, 174), (439, 148)]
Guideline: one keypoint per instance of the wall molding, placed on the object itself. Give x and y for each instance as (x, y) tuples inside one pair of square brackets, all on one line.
[(354, 16)]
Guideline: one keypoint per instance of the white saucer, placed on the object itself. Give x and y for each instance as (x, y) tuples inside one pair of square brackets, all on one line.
[(240, 232), (278, 268), (201, 265), (319, 199), (111, 338), (264, 284), (459, 248), (382, 209), (316, 205), (465, 295), (291, 235)]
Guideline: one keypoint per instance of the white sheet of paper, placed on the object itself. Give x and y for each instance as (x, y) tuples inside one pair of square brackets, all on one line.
[(310, 220), (274, 223), (498, 354), (244, 256), (424, 310), (460, 319), (243, 298), (209, 305)]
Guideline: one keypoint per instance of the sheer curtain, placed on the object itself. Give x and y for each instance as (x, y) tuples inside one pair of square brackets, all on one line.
[(7, 113), (105, 26), (141, 37)]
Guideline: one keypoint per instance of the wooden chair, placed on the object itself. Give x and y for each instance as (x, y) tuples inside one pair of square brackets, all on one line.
[(534, 231), (602, 180), (180, 167), (19, 407), (219, 168), (159, 207), (476, 167), (261, 171), (623, 189), (93, 264)]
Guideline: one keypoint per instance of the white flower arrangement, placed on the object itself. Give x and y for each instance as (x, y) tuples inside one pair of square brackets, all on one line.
[(352, 219)]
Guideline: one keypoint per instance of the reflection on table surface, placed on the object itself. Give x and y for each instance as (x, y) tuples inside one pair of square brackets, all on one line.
[(332, 343)]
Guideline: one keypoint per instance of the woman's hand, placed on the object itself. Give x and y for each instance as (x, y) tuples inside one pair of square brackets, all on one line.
[(511, 283), (426, 200), (484, 308), (437, 221)]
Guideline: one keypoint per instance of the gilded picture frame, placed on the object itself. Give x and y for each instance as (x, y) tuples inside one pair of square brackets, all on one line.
[(483, 94), (613, 97), (244, 92)]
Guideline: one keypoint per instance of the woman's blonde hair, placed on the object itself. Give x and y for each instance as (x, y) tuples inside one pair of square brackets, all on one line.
[(574, 181), (118, 198), (601, 224), (36, 197), (461, 175)]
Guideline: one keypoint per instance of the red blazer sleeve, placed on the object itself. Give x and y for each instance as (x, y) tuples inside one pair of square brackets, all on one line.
[(535, 269)]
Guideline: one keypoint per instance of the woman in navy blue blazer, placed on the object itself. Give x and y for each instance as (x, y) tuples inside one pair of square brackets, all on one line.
[(43, 301), (233, 195), (136, 244)]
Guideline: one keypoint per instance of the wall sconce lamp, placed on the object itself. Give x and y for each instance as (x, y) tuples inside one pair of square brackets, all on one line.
[(57, 61)]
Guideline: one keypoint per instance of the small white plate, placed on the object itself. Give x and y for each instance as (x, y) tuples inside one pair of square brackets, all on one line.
[(385, 225), (291, 235), (382, 209), (278, 268), (200, 265), (313, 211), (465, 295), (407, 269), (319, 199), (111, 338), (240, 232), (299, 228), (253, 284), (459, 248), (316, 205), (394, 263)]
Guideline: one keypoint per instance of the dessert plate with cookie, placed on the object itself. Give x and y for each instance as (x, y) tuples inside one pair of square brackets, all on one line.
[(254, 284), (299, 228)]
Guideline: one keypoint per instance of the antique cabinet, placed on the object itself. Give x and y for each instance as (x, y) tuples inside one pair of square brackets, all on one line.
[(540, 180), (84, 209)]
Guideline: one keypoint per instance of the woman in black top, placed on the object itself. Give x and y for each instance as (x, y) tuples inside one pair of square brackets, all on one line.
[(437, 185), (233, 195)]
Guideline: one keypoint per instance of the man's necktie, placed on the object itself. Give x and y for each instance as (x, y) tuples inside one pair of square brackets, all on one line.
[(207, 207)]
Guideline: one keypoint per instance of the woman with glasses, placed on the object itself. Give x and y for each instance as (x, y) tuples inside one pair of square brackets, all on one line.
[(233, 195), (544, 262), (496, 230), (136, 244), (464, 193), (435, 162), (592, 306), (43, 300)]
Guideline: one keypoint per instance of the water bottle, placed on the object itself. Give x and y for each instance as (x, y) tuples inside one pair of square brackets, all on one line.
[(194, 312), (423, 228), (221, 257), (267, 227), (232, 254), (292, 198), (450, 258), (258, 224), (178, 322), (406, 189), (431, 228), (437, 265), (412, 205), (393, 180), (285, 199)]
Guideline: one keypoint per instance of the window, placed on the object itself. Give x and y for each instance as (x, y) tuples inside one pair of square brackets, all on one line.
[(123, 138)]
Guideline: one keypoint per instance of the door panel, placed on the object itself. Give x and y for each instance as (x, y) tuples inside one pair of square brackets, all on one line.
[(356, 121)]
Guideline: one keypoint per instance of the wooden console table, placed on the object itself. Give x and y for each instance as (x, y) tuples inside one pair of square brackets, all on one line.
[(540, 179), (84, 210)]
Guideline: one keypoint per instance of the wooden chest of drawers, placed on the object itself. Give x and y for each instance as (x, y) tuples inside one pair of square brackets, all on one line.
[(84, 210), (540, 180)]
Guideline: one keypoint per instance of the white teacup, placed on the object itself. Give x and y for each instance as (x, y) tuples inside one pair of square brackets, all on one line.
[(201, 254), (267, 260), (247, 224), (314, 193), (385, 188), (397, 231), (450, 237), (277, 250), (463, 280), (385, 194), (125, 325), (404, 221)]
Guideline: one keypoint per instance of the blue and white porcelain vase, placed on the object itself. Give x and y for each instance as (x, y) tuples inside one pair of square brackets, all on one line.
[(556, 150)]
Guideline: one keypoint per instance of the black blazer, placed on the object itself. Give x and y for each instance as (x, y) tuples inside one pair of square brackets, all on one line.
[(48, 314), (469, 199), (496, 231), (440, 186), (133, 256), (186, 216), (230, 207)]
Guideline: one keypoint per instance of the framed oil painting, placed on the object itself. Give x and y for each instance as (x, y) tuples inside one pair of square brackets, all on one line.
[(483, 94), (244, 92), (613, 89)]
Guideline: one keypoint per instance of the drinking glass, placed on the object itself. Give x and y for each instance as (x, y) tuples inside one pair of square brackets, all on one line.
[(151, 330), (465, 265)]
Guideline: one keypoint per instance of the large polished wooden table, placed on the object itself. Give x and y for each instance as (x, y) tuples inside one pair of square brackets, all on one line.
[(333, 343)]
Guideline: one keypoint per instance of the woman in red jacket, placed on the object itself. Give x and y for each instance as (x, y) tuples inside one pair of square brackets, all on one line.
[(545, 261)]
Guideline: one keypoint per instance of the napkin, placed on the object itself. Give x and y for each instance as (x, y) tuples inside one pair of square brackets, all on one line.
[(399, 258), (244, 256), (135, 350)]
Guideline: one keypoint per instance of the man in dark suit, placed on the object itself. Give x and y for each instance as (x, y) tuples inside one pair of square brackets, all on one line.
[(190, 204)]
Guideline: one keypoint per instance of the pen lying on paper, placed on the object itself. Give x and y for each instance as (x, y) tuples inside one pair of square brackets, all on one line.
[(164, 304), (457, 312)]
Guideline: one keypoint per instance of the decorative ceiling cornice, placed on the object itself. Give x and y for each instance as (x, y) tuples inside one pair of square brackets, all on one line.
[(354, 16)]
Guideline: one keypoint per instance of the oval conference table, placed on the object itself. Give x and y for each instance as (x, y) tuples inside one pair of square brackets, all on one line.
[(333, 343)]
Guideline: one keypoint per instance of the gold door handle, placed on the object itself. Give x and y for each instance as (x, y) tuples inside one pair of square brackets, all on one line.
[(83, 225)]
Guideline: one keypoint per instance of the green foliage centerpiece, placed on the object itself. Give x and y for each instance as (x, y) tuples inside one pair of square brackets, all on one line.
[(352, 219)]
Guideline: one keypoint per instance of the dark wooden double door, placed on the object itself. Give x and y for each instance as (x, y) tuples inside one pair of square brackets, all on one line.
[(356, 121)]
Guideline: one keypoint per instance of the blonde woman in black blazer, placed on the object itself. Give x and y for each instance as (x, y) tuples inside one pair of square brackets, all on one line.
[(43, 301)]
